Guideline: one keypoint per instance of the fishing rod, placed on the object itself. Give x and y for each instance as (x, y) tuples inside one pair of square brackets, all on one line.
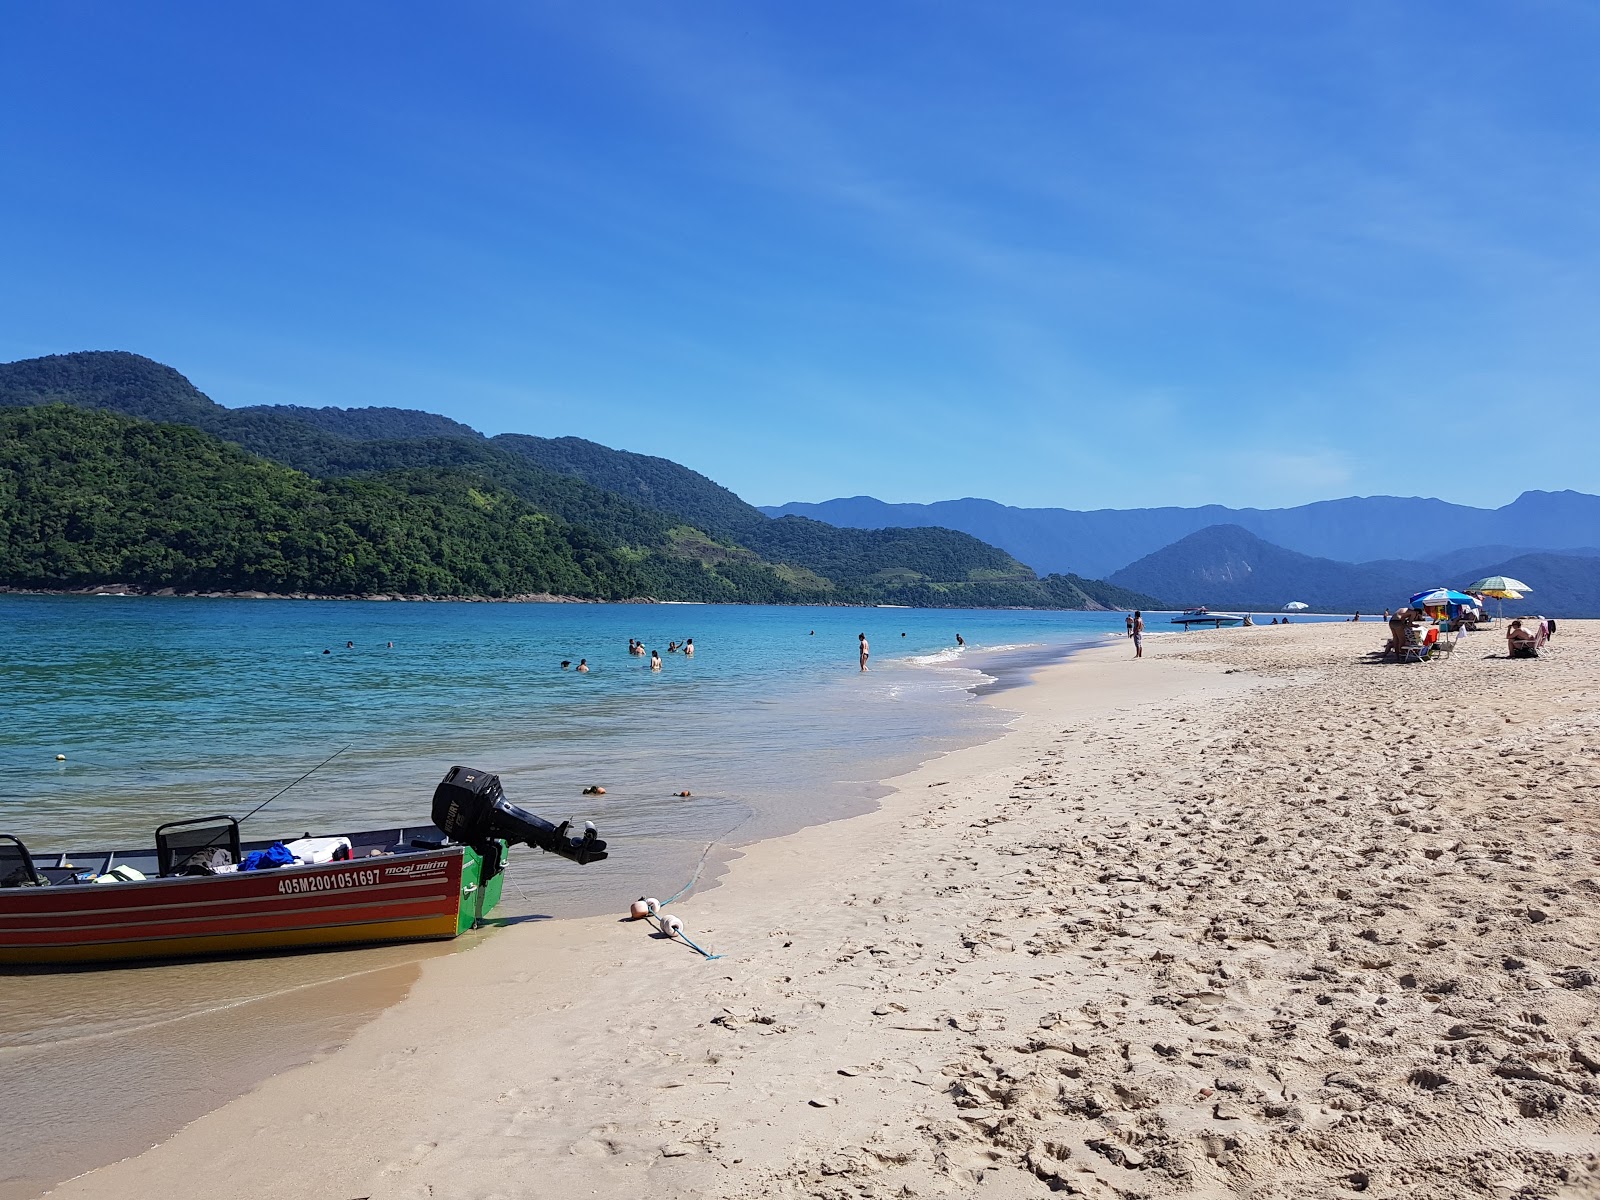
[(302, 779)]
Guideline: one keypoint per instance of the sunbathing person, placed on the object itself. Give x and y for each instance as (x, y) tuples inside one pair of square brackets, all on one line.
[(1521, 642)]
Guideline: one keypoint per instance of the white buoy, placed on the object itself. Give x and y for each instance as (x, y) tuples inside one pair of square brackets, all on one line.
[(672, 925), (61, 758), (652, 906)]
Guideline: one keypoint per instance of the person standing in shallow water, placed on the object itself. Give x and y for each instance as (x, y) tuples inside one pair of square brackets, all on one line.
[(1130, 625), (1138, 634), (866, 650), (655, 660)]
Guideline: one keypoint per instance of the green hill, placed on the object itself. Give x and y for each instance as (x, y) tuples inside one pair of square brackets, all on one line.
[(683, 536), (93, 497), (369, 423), (657, 483)]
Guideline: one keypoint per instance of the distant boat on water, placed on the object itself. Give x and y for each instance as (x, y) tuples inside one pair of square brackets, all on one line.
[(1204, 616)]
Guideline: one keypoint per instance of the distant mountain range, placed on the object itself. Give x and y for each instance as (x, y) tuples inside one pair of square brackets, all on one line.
[(1228, 567), (1357, 529), (409, 501), (290, 498)]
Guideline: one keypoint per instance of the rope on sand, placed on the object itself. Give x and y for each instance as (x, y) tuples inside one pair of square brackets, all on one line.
[(649, 908)]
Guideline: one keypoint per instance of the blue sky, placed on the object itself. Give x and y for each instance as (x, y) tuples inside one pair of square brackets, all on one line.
[(1051, 254)]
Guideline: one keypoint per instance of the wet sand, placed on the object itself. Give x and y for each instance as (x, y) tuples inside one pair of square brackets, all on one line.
[(1254, 916), (101, 1064)]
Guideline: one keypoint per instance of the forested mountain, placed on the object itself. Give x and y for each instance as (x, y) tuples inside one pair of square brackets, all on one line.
[(1355, 529), (657, 483), (682, 535), (95, 497), (369, 423), (1228, 567)]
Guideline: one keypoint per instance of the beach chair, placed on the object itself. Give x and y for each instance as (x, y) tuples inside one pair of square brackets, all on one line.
[(1528, 647), (1405, 640), (1445, 647), (1415, 645), (16, 864), (182, 845)]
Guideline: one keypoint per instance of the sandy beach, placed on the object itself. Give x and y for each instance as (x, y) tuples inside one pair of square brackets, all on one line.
[(1251, 917)]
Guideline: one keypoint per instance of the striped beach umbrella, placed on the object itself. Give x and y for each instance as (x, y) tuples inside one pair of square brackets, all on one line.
[(1501, 587)]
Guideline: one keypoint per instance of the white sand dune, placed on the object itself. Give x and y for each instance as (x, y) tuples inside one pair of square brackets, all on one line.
[(1251, 917)]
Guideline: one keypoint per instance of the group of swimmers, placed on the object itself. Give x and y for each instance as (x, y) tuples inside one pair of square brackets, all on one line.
[(636, 650)]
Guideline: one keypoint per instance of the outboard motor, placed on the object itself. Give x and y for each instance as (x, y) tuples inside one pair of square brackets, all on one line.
[(470, 807)]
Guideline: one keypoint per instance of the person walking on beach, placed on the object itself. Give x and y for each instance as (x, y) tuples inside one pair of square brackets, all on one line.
[(866, 651), (1138, 634)]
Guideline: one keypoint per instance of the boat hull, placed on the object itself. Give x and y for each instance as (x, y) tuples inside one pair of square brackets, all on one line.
[(403, 897), (1215, 620)]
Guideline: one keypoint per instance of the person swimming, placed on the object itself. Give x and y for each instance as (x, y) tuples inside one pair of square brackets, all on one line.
[(565, 663), (583, 666), (655, 660), (688, 648)]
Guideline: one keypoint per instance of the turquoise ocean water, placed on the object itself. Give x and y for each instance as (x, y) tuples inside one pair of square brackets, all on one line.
[(171, 707)]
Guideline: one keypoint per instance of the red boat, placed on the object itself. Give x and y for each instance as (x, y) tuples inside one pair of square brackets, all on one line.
[(201, 891)]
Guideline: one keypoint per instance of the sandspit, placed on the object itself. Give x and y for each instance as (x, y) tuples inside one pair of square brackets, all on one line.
[(1250, 917)]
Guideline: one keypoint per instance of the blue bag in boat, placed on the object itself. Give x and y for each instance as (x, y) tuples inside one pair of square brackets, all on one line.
[(275, 855)]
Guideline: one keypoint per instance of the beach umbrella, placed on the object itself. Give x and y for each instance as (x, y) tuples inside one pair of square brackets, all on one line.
[(1502, 588), (1438, 596), (1295, 606), (1498, 585)]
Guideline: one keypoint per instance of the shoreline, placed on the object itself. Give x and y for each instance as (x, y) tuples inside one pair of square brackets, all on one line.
[(250, 1072), (1085, 954)]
